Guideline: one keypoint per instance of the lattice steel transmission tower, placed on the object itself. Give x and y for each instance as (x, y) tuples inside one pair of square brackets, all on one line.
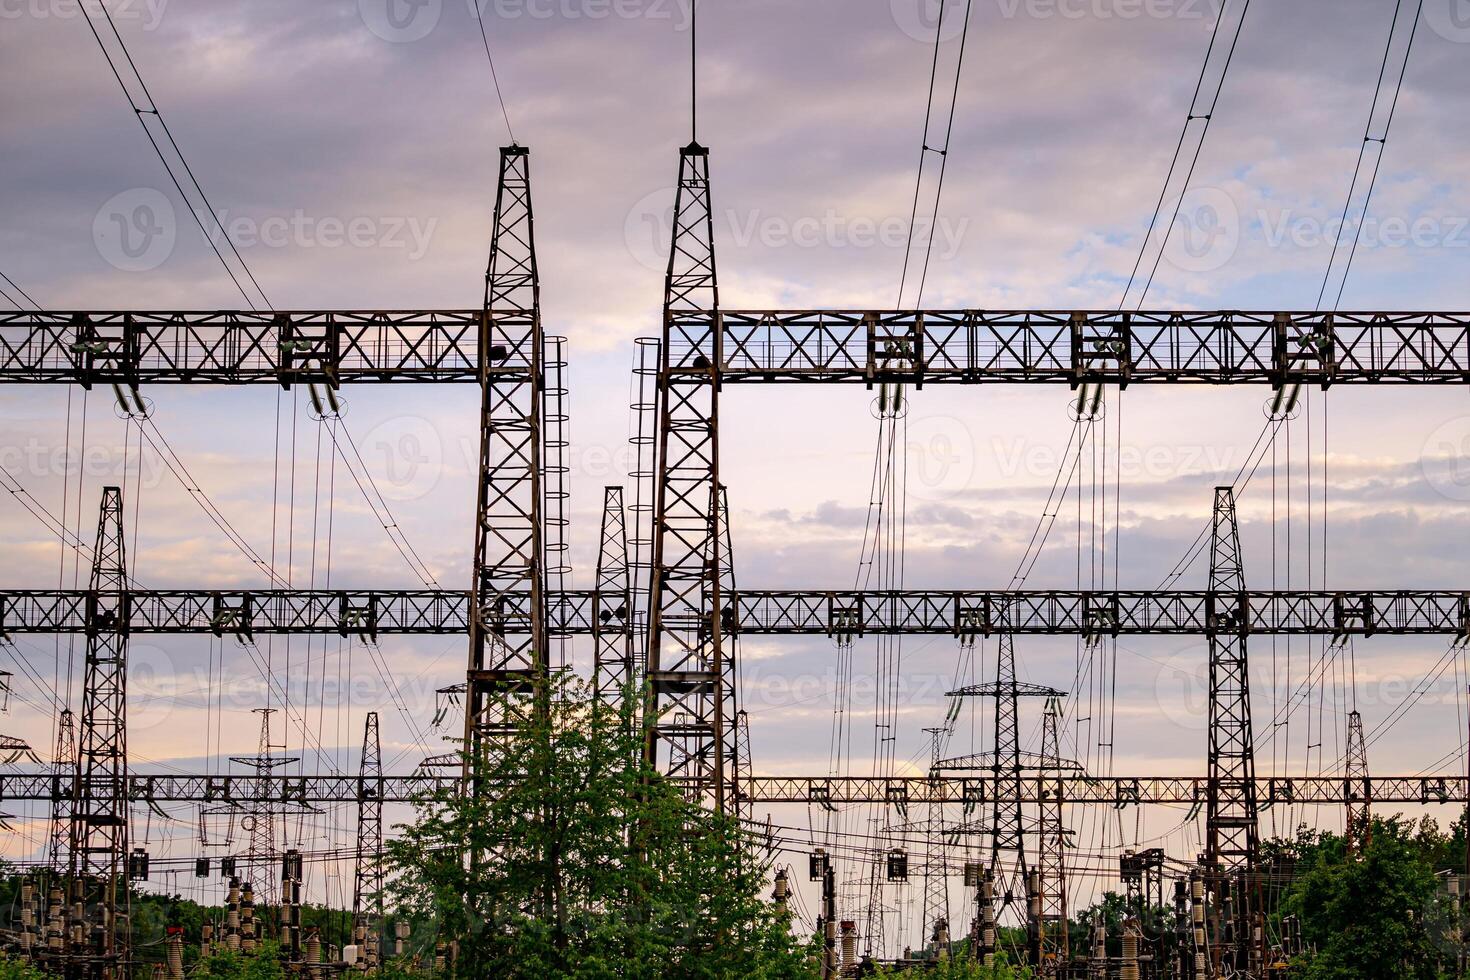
[(613, 670), (262, 849), (99, 825), (1008, 828), (934, 909), (367, 889), (505, 679), (1231, 810), (1358, 788), (63, 765), (1052, 947), (687, 716)]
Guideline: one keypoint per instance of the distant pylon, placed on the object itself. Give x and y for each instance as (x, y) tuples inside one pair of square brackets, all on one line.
[(934, 910), (367, 890), (63, 766), (612, 621), (1359, 824), (262, 850), (1052, 945)]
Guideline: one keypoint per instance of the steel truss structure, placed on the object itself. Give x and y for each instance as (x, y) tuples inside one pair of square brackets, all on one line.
[(99, 806), (689, 716), (977, 789), (505, 677), (374, 612), (916, 347)]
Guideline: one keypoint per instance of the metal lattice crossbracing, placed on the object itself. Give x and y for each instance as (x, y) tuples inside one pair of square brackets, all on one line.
[(374, 612), (976, 789), (689, 736), (862, 346), (507, 639), (99, 809)]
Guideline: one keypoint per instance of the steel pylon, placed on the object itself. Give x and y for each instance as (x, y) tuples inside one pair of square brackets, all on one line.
[(505, 679), (688, 732), (99, 809)]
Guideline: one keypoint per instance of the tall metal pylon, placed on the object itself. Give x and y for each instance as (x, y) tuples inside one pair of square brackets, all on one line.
[(613, 671), (935, 905), (63, 765), (1231, 811), (1359, 820), (505, 678), (685, 713), (99, 826), (367, 890), (1053, 949)]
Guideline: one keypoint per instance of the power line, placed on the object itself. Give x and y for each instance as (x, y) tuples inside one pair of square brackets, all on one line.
[(485, 41), (1368, 138), (151, 109), (1194, 115)]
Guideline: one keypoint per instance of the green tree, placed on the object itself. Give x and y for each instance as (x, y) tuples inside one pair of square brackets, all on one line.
[(263, 963), (1378, 916), (589, 865), (13, 969)]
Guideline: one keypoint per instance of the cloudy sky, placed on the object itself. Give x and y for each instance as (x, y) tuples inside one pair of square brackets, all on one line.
[(350, 150)]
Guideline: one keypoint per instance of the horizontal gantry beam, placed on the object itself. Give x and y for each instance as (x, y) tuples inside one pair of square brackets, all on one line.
[(764, 612), (1110, 347), (905, 346), (951, 788)]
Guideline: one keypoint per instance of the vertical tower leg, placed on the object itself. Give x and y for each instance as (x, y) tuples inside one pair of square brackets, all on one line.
[(1007, 834), (684, 717), (367, 891), (1231, 812), (99, 827), (504, 682)]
